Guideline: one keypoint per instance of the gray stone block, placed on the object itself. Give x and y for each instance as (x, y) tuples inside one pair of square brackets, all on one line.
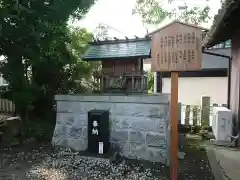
[(141, 124), (160, 126), (93, 98), (77, 145), (75, 132), (124, 124), (85, 132), (80, 119), (65, 119), (135, 145), (121, 136), (117, 145), (146, 110), (77, 107), (130, 146), (136, 136), (129, 154), (134, 123), (187, 114), (84, 107), (115, 123), (155, 140), (140, 152), (105, 106), (82, 98), (70, 120), (87, 106), (205, 112), (60, 131), (61, 142), (64, 107), (157, 111), (126, 146), (154, 99), (124, 109), (156, 155)]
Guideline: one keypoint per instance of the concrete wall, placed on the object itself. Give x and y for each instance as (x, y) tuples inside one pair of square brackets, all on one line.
[(191, 89), (139, 124)]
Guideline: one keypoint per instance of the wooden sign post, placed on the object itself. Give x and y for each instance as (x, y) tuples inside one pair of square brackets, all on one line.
[(176, 47), (174, 127)]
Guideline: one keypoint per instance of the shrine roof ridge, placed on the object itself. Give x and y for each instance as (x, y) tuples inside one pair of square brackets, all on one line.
[(179, 22), (116, 41)]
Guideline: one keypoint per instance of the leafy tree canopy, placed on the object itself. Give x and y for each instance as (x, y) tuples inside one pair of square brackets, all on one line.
[(101, 32), (33, 36), (82, 69), (154, 12)]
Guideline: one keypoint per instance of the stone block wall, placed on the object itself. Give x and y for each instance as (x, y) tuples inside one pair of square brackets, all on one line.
[(139, 125)]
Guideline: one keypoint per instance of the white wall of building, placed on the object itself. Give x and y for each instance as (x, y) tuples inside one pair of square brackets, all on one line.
[(190, 89), (147, 64)]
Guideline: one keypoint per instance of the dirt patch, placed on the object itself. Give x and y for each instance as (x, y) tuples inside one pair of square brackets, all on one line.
[(14, 162), (195, 165), (39, 162)]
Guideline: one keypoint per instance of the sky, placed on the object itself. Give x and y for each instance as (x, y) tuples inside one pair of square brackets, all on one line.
[(117, 14)]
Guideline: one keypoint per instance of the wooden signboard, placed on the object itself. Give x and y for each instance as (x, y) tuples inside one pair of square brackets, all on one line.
[(176, 47)]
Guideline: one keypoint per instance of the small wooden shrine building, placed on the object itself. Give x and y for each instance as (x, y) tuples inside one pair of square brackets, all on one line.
[(122, 64)]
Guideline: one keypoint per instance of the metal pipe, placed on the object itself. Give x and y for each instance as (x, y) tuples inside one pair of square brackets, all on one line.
[(229, 81)]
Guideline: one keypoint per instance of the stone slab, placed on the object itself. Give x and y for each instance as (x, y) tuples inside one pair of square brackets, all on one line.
[(137, 136), (155, 140), (139, 125), (119, 136), (149, 99), (137, 110)]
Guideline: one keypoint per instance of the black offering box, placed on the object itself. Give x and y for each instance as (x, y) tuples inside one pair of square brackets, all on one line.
[(98, 131)]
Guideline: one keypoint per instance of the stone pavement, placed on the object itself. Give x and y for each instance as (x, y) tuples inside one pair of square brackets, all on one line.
[(225, 162)]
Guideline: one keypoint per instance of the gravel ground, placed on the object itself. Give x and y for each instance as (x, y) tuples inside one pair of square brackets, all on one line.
[(40, 162), (44, 164)]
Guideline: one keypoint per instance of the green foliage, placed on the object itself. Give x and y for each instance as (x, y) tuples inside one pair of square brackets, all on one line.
[(34, 35), (80, 38), (82, 70), (154, 12), (195, 15), (101, 32), (151, 11), (39, 130), (150, 82)]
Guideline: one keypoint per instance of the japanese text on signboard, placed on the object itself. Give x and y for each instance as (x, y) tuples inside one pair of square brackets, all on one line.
[(176, 51)]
